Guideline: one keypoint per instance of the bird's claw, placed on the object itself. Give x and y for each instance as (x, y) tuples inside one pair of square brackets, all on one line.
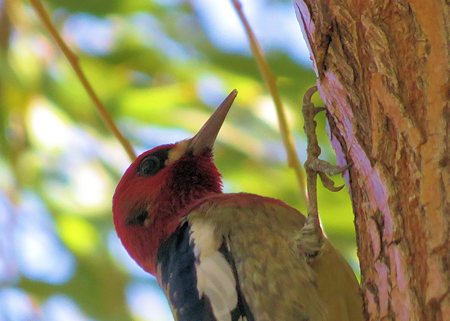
[(329, 184), (325, 169)]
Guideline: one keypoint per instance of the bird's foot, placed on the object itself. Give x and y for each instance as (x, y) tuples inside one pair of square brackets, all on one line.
[(313, 164), (309, 240), (324, 169)]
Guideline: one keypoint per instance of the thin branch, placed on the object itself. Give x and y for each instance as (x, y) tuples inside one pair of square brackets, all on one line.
[(73, 60), (269, 79)]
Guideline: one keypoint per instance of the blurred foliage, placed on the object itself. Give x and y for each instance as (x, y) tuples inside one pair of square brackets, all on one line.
[(160, 69)]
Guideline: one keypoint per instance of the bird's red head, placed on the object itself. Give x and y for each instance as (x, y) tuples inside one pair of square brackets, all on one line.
[(150, 199)]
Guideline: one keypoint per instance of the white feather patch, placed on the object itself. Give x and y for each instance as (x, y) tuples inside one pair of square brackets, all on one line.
[(215, 277)]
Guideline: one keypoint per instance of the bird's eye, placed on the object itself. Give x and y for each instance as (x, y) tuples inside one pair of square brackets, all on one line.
[(149, 166)]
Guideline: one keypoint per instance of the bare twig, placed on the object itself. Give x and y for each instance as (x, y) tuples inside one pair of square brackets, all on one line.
[(73, 60), (269, 79)]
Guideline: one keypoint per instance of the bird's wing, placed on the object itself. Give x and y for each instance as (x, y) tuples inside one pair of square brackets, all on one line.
[(199, 278), (274, 278)]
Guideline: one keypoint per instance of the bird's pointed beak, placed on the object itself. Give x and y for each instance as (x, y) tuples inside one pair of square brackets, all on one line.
[(207, 135)]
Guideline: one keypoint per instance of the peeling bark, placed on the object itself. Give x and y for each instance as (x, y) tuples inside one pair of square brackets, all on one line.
[(382, 70)]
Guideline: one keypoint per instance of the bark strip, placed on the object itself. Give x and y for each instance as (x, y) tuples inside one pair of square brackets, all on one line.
[(382, 70)]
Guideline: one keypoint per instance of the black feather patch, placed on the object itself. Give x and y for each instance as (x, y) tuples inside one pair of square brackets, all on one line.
[(178, 275), (242, 308)]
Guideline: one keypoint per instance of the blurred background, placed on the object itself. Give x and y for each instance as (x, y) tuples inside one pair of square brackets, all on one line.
[(160, 67)]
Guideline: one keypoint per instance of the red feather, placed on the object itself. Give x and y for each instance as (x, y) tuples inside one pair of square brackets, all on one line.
[(164, 196)]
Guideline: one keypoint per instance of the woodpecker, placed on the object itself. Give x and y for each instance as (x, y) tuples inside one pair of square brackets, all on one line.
[(225, 256)]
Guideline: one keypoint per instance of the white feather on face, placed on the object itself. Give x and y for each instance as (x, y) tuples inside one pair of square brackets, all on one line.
[(215, 278)]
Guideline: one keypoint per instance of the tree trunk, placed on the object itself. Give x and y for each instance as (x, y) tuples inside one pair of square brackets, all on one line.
[(382, 70)]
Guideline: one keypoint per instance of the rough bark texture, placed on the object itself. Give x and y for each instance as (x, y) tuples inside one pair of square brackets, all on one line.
[(382, 70)]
